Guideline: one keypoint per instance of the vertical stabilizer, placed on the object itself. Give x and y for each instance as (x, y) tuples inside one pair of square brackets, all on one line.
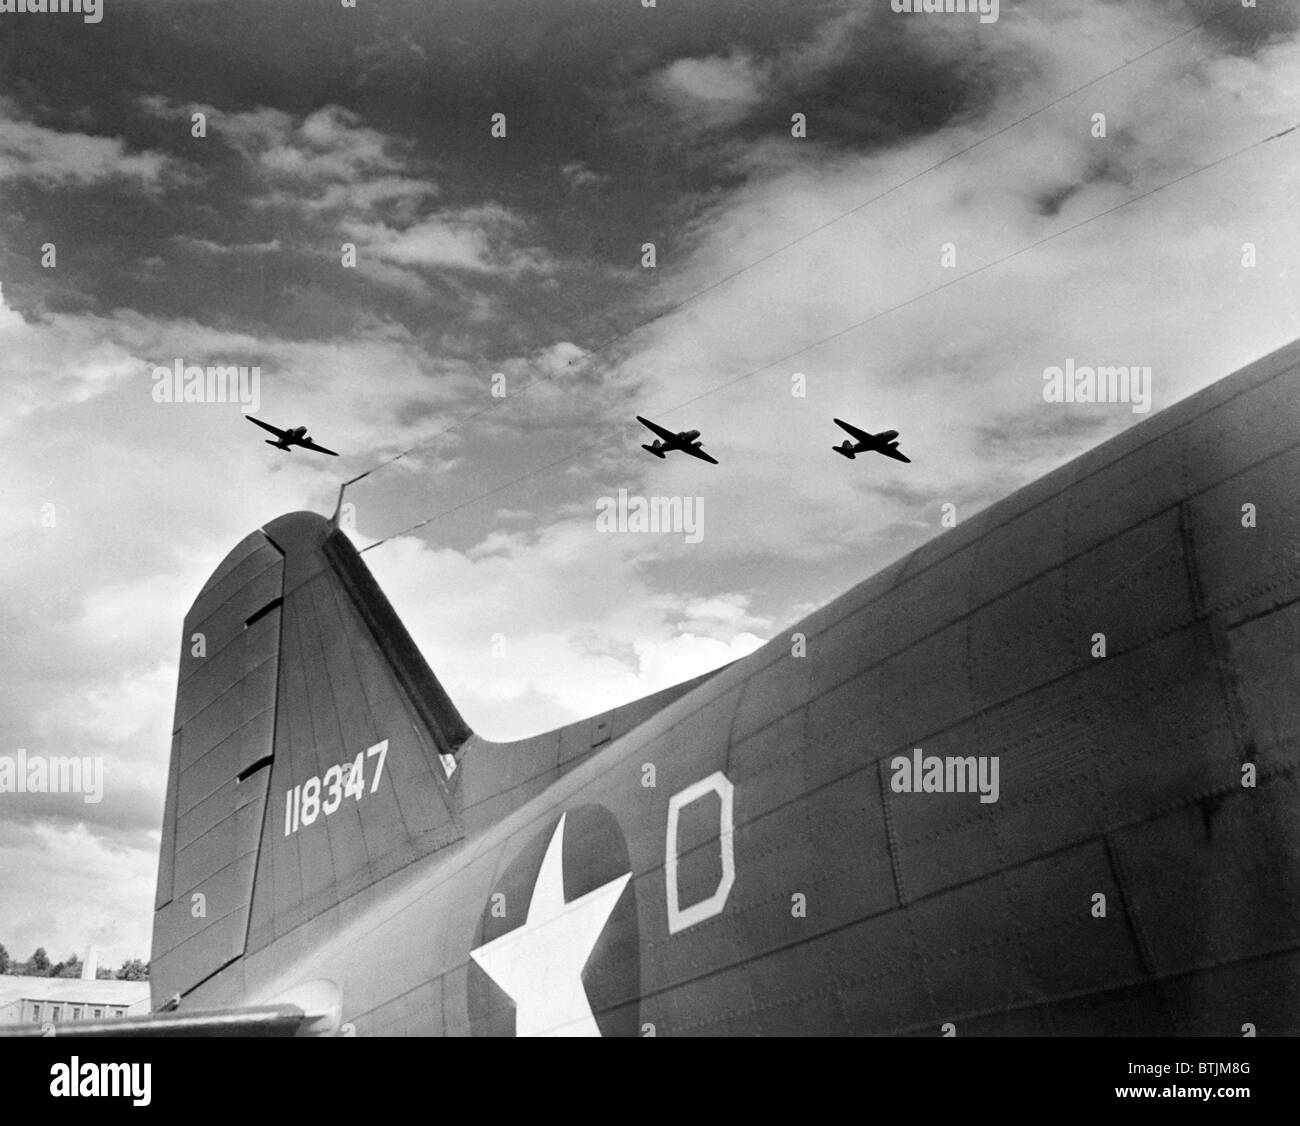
[(313, 751)]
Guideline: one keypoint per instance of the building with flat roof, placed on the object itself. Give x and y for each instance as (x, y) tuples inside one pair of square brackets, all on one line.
[(35, 1000)]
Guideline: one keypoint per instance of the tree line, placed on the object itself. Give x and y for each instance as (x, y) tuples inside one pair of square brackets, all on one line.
[(39, 965)]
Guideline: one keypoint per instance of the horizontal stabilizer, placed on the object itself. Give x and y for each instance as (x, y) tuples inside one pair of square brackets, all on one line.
[(263, 1020)]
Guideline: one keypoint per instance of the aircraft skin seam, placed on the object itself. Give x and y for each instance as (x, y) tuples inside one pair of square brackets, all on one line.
[(1108, 463), (746, 687), (216, 871), (167, 857), (209, 594), (1133, 983), (1040, 1002), (891, 836), (257, 615), (313, 598), (828, 875), (266, 796), (1006, 875), (371, 721), (236, 683), (220, 578), (854, 815), (1261, 614), (722, 690), (1137, 932), (1037, 575), (1227, 790), (562, 768), (1066, 783), (235, 637), (1266, 775), (1224, 671), (208, 978), (208, 922), (905, 965), (185, 766), (376, 873), (605, 748), (1137, 645), (780, 896), (906, 576), (178, 769), (296, 892), (1171, 893), (1230, 790)]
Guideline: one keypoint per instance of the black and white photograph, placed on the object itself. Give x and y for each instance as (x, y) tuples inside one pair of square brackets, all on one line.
[(748, 519)]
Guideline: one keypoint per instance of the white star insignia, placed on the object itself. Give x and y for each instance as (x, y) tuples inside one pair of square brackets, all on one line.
[(540, 964)]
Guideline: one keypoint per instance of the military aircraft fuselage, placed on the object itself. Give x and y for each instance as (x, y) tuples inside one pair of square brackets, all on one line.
[(1036, 777)]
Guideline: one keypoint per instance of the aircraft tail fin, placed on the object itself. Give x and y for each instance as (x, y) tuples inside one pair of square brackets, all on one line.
[(656, 450), (846, 449), (313, 751)]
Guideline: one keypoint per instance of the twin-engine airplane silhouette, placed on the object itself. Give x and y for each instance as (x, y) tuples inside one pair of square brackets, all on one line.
[(687, 441), (882, 443), (289, 438)]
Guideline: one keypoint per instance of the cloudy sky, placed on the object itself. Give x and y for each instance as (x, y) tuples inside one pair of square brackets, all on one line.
[(522, 255)]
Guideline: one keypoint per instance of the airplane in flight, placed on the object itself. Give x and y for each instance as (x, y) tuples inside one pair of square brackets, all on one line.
[(794, 843), (687, 441), (289, 438), (882, 443)]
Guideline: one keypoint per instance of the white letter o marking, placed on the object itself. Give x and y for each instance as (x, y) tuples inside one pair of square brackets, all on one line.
[(680, 918)]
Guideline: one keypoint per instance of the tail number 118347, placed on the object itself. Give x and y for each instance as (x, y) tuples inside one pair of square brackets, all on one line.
[(323, 794)]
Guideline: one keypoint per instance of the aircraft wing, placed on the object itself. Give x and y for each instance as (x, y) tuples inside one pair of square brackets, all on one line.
[(307, 443), (890, 451), (281, 434), (666, 435), (264, 1020), (860, 435), (700, 454)]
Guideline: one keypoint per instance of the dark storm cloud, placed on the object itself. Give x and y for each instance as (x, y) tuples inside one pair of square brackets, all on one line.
[(572, 78), (1238, 30)]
